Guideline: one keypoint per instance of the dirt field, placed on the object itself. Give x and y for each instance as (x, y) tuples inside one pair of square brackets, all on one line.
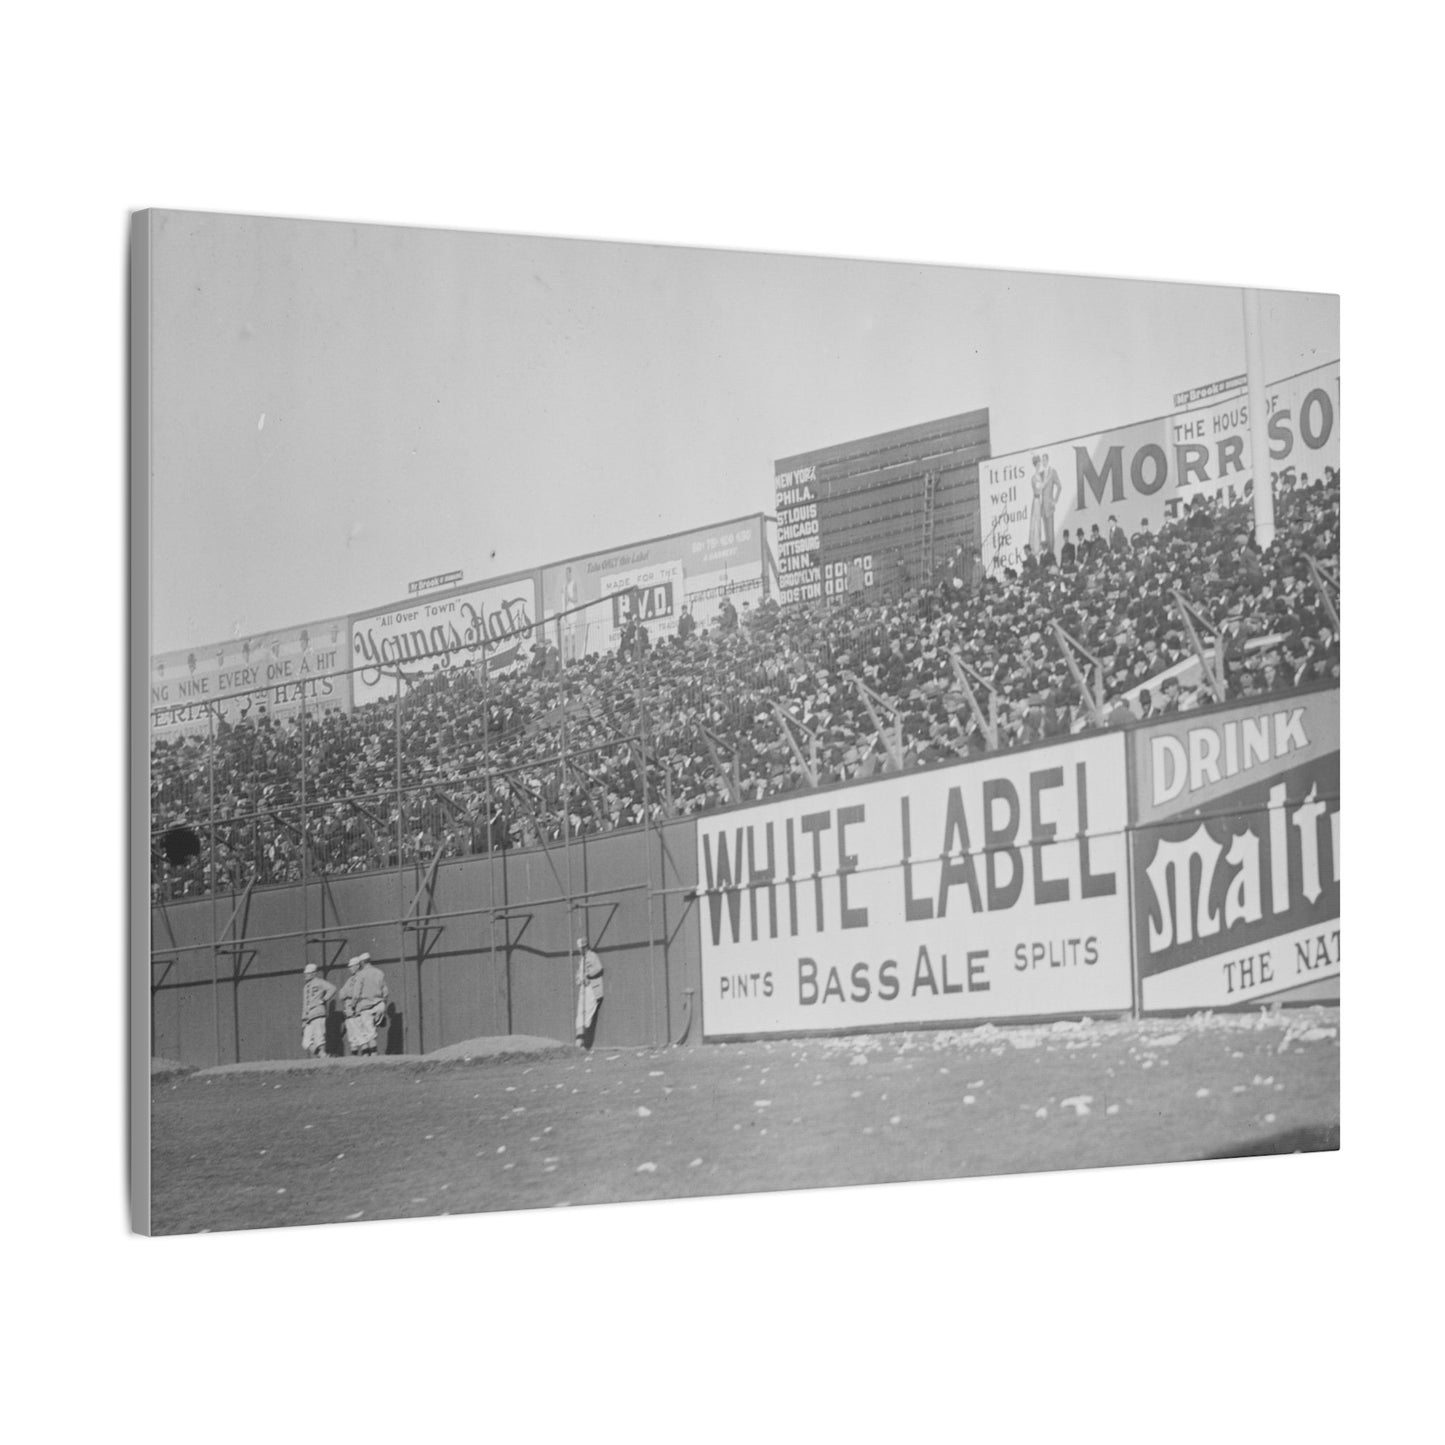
[(259, 1149)]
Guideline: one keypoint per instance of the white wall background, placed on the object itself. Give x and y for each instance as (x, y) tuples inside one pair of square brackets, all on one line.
[(1280, 147)]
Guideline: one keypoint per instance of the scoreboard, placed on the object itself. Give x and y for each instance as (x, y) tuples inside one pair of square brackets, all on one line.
[(882, 512)]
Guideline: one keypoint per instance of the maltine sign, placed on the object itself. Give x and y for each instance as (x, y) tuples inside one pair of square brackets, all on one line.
[(987, 890), (1236, 854)]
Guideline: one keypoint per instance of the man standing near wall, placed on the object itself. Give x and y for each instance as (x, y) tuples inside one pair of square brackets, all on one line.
[(574, 628), (316, 996), (589, 992), (364, 999)]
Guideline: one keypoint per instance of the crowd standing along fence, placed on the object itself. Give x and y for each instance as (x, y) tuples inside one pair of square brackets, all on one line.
[(1069, 877)]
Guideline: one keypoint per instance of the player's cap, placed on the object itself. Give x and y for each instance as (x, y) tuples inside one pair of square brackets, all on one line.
[(582, 943), (310, 968), (358, 960)]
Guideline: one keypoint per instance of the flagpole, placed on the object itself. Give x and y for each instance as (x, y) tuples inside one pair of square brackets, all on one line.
[(1258, 421)]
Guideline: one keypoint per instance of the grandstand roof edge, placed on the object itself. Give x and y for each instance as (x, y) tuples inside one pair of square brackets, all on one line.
[(662, 537), (501, 579), (256, 632)]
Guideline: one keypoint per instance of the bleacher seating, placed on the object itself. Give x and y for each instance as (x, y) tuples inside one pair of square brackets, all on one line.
[(691, 726)]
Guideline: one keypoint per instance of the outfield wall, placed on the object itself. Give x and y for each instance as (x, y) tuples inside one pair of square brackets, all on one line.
[(1182, 864), (458, 971)]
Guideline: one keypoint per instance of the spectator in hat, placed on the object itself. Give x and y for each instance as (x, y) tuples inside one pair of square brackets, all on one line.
[(316, 996), (1118, 539), (972, 569), (1119, 715), (634, 640)]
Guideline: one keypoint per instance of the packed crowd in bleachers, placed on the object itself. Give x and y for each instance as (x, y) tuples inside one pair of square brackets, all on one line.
[(652, 732)]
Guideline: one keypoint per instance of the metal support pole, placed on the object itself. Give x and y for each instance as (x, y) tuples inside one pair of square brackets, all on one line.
[(810, 769), (491, 836), (305, 836), (412, 1004), (565, 797), (1067, 645), (987, 726), (727, 773), (1258, 422), (893, 744), (1329, 590), (1213, 670), (647, 834), (211, 824)]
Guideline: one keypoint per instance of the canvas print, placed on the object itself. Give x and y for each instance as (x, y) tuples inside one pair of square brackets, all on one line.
[(617, 722)]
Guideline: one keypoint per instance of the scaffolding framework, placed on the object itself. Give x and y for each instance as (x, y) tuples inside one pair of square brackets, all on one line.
[(403, 850)]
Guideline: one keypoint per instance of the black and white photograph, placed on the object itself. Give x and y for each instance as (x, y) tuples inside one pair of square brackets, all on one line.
[(626, 722), (675, 722)]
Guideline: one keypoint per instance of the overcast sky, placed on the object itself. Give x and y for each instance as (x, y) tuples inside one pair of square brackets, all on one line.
[(340, 409)]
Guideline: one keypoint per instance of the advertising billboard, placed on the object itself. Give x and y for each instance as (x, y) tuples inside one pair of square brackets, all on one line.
[(1236, 854), (1153, 469), (492, 619), (992, 889), (654, 580), (269, 673)]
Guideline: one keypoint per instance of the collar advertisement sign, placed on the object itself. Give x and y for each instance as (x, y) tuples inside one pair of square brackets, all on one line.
[(269, 674), (1150, 471), (654, 580), (654, 595), (494, 620), (988, 890), (1235, 858)]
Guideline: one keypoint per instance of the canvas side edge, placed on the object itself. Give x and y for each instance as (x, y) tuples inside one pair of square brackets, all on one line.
[(137, 751)]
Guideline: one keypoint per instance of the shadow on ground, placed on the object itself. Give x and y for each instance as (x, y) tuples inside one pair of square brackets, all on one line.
[(1289, 1141)]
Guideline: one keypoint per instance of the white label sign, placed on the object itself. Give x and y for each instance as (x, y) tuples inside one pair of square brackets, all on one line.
[(987, 890)]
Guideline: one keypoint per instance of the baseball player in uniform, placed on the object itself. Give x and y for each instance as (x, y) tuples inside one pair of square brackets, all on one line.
[(589, 992), (316, 996), (364, 1000)]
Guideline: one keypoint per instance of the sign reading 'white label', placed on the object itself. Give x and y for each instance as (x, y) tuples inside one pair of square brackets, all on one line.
[(993, 889)]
